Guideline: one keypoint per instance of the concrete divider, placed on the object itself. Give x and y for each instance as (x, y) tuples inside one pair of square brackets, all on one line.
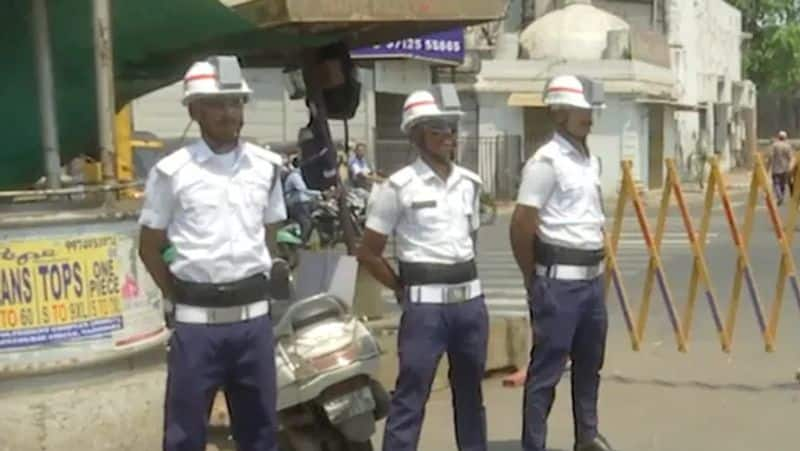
[(115, 405), (82, 338), (508, 348)]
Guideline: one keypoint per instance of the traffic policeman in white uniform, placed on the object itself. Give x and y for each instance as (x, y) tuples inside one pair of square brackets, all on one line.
[(557, 241), (431, 207), (212, 200)]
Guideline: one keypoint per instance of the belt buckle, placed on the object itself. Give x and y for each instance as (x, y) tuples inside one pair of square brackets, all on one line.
[(456, 294)]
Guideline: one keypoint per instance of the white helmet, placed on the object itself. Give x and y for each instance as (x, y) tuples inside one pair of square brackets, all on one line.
[(572, 91), (420, 105), (219, 75)]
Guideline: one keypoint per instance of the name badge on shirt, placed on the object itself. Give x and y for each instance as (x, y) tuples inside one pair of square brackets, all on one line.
[(420, 204)]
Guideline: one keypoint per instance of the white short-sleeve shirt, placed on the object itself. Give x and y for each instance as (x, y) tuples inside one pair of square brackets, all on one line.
[(358, 166), (214, 209), (564, 185), (432, 219)]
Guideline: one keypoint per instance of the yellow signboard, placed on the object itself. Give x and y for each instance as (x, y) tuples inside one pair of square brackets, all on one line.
[(56, 290)]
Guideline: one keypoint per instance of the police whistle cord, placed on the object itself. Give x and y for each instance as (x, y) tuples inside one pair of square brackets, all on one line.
[(656, 274)]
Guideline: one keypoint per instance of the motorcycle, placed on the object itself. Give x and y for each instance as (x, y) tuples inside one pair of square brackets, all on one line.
[(357, 199), (326, 217), (326, 359)]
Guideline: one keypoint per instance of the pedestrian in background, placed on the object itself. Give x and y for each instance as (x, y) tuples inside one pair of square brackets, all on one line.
[(300, 199), (780, 161)]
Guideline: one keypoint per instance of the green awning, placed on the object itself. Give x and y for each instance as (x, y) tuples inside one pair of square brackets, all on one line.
[(156, 40)]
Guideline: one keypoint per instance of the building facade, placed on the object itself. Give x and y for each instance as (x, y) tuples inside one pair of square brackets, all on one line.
[(388, 73), (672, 72)]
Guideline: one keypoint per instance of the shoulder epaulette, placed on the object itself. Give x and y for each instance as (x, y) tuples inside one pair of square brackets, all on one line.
[(401, 177), (471, 175), (546, 152), (170, 164), (264, 154), (544, 158)]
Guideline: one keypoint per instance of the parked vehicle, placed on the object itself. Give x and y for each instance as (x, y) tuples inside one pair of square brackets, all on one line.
[(328, 396)]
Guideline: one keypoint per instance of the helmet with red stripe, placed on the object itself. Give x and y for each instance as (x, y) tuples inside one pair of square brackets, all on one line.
[(219, 75), (423, 105), (574, 91)]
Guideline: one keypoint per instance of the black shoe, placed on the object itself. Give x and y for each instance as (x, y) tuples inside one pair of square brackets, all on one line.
[(599, 443)]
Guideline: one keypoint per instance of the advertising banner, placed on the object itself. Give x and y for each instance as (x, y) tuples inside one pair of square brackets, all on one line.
[(445, 47), (58, 290)]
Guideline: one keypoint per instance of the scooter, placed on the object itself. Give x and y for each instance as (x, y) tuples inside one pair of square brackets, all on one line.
[(329, 398), (326, 360)]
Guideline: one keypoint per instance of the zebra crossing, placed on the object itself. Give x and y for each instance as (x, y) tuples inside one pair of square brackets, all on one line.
[(502, 283)]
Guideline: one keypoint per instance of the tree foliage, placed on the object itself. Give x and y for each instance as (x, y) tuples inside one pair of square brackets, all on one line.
[(772, 57)]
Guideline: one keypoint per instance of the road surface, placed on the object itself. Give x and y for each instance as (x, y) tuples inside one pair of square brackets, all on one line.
[(659, 399)]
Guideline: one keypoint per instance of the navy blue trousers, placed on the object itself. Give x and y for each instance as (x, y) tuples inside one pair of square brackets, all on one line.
[(426, 332), (569, 320), (203, 358)]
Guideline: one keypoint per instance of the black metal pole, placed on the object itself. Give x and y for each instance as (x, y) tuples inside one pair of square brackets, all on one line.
[(320, 116), (104, 79), (46, 90)]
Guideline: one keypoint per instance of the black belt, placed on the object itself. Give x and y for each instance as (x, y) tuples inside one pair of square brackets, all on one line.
[(437, 273), (550, 254), (241, 292)]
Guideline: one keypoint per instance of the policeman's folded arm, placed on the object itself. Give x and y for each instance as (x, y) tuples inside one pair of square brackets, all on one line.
[(370, 254), (152, 243), (522, 229), (270, 236)]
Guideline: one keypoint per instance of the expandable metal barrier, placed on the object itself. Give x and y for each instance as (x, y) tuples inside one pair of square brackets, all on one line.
[(701, 275)]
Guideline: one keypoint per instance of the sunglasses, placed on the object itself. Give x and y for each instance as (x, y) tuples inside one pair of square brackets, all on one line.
[(440, 127), (222, 102)]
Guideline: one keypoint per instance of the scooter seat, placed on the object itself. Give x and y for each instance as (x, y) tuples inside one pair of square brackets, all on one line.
[(307, 314)]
